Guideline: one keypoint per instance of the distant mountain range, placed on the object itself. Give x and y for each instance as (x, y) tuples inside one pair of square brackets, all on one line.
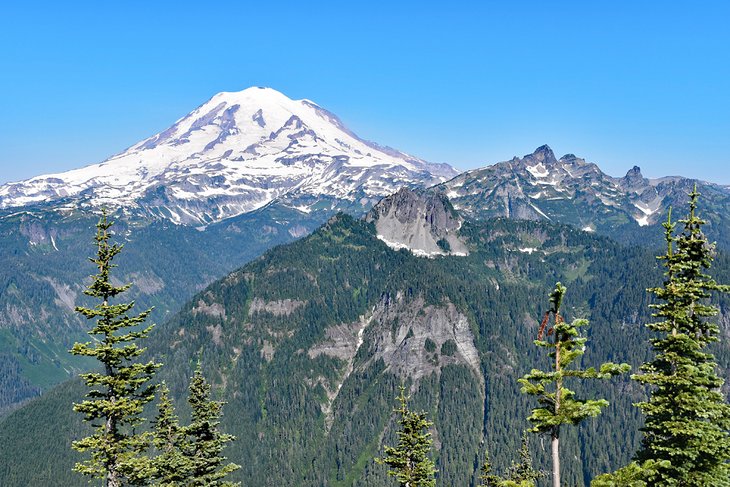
[(570, 190)]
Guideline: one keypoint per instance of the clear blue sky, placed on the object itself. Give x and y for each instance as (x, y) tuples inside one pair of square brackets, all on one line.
[(471, 83)]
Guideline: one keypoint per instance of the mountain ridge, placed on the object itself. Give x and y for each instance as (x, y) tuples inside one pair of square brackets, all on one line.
[(571, 190)]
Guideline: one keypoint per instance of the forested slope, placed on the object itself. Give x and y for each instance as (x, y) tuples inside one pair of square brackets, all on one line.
[(309, 343)]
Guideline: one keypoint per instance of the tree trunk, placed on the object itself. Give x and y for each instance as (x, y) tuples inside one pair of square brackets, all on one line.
[(555, 441)]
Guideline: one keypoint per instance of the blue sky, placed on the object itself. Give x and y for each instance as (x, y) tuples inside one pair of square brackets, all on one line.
[(471, 83)]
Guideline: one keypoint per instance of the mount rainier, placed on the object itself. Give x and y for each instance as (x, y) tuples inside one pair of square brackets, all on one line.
[(237, 152)]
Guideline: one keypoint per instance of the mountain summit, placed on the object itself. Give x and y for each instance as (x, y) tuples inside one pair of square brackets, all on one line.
[(423, 222), (236, 153)]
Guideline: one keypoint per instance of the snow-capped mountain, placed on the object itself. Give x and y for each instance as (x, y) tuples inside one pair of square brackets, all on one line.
[(570, 190), (235, 153)]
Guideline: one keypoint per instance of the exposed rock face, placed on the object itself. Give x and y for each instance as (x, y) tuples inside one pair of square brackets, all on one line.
[(213, 309), (282, 307), (634, 179), (423, 222), (414, 340)]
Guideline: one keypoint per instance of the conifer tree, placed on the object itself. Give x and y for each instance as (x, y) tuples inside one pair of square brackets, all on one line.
[(121, 389), (486, 477), (205, 442), (634, 474), (519, 474), (687, 427), (558, 403), (409, 461), (171, 466)]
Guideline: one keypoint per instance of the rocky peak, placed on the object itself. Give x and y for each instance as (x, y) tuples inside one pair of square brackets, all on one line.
[(543, 154), (421, 221), (634, 179)]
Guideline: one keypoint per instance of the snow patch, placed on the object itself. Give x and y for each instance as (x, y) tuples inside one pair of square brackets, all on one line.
[(540, 211), (416, 252), (539, 171), (644, 220)]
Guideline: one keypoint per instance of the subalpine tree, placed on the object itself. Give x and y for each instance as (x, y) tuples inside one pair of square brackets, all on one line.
[(519, 474), (171, 466), (120, 390), (558, 403), (409, 461), (486, 477), (205, 442), (687, 427)]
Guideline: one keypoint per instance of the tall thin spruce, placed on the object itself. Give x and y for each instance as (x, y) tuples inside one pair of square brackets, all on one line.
[(687, 427), (519, 474), (558, 403), (204, 440), (119, 392), (172, 465), (409, 461)]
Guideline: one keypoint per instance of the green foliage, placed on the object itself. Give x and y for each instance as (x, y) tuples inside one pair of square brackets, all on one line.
[(559, 405), (448, 348), (119, 393), (687, 427), (635, 475), (409, 462), (205, 442), (519, 474), (171, 466), (486, 477), (43, 266), (278, 391)]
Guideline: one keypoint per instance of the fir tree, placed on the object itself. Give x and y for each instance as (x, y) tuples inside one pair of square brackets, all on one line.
[(486, 477), (121, 389), (523, 473), (171, 466), (635, 474), (205, 442), (558, 403), (409, 461), (687, 427), (519, 474)]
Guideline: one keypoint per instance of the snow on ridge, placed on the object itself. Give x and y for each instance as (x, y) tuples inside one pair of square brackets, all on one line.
[(399, 246), (538, 171), (645, 209), (647, 212)]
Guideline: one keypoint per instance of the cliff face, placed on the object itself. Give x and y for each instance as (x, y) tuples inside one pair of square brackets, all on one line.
[(421, 221)]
